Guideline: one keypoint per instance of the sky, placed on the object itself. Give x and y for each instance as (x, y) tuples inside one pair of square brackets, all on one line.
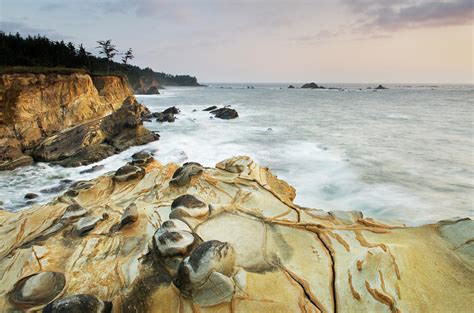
[(359, 41)]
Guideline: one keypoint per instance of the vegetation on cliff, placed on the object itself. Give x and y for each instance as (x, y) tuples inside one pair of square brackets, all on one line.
[(42, 53)]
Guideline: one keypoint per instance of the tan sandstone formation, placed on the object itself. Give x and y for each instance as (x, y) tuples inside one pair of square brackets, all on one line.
[(36, 107), (165, 238)]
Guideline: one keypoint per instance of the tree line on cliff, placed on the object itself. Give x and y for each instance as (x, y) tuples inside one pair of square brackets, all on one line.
[(39, 51)]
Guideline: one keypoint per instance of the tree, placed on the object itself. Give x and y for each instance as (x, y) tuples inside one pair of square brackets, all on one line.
[(108, 49), (128, 56)]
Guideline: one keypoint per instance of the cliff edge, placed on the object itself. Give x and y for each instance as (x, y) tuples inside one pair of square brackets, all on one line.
[(36, 107), (169, 238)]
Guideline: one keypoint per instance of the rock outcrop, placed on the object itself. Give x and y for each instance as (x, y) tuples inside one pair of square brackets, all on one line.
[(225, 113), (147, 86), (223, 239), (380, 87), (312, 86), (74, 112)]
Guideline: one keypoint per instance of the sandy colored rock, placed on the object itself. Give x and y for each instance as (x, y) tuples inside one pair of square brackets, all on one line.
[(72, 119), (283, 258)]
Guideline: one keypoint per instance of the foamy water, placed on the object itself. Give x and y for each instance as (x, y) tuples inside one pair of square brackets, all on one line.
[(400, 154)]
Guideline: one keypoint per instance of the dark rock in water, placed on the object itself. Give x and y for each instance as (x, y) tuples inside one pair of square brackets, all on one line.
[(80, 303), (166, 117), (31, 196), (182, 176), (194, 110), (130, 215), (93, 169), (153, 90), (128, 172), (312, 86), (379, 87), (270, 129), (172, 110), (225, 113), (211, 108), (291, 87), (37, 289), (142, 158)]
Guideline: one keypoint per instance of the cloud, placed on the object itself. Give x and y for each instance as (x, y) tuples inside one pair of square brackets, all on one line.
[(23, 29), (402, 14)]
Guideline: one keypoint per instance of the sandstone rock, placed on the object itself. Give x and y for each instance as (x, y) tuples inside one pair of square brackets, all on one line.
[(188, 206), (71, 120), (128, 172), (78, 304), (38, 289), (255, 251), (130, 215), (225, 113), (182, 176), (86, 224), (142, 158)]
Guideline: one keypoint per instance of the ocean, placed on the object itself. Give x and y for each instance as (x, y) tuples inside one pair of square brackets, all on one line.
[(402, 154)]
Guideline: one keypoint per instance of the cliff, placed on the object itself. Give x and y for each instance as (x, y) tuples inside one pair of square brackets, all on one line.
[(170, 238), (34, 107)]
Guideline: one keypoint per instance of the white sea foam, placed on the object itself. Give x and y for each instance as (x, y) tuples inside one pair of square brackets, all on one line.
[(398, 155)]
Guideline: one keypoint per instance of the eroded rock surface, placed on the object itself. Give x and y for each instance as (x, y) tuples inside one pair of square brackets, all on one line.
[(235, 242), (68, 119)]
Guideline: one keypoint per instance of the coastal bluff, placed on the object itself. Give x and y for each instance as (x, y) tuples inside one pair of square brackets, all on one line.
[(37, 110), (186, 238)]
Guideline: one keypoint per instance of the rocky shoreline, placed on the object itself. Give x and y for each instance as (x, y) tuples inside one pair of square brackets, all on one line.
[(71, 120), (167, 238)]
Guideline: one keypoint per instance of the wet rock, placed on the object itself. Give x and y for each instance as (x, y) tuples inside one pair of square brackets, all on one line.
[(86, 224), (211, 108), (182, 176), (210, 259), (80, 303), (63, 185), (312, 86), (225, 113), (95, 140), (93, 169), (168, 117), (188, 206), (142, 158), (130, 215), (74, 211), (171, 243), (31, 196), (380, 87), (171, 110), (128, 172), (291, 87), (37, 289)]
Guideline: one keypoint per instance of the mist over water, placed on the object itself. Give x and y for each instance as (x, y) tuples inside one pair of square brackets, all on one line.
[(403, 154)]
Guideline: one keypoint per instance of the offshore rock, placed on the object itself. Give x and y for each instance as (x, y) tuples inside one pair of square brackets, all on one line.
[(211, 108), (312, 86), (255, 250), (225, 113)]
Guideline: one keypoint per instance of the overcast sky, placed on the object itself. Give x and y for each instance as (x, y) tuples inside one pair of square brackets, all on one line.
[(384, 41)]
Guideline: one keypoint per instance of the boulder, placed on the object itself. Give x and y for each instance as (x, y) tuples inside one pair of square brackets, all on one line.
[(292, 87), (211, 108), (225, 113), (239, 244), (312, 86), (380, 87)]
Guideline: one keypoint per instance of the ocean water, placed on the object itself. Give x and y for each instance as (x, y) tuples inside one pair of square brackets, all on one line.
[(403, 154)]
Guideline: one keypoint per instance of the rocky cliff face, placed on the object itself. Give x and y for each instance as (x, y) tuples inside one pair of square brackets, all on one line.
[(155, 238), (147, 86), (34, 107)]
